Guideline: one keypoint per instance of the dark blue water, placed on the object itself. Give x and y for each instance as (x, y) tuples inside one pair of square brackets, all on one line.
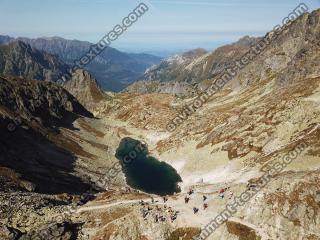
[(145, 172)]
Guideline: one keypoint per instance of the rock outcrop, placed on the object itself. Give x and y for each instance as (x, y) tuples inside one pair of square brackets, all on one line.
[(86, 89)]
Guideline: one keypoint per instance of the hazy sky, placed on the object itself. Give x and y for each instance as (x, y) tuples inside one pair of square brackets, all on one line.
[(169, 25)]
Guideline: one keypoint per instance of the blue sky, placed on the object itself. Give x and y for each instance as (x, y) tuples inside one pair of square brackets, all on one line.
[(169, 25)]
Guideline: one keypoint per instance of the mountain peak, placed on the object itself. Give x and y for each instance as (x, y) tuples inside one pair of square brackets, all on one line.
[(246, 41), (86, 89), (195, 52)]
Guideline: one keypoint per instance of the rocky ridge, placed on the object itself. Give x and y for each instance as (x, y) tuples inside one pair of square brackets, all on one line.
[(20, 59)]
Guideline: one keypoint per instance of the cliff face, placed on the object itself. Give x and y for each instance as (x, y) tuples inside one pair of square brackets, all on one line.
[(20, 59)]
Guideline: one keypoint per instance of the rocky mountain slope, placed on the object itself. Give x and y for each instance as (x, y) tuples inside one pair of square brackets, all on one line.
[(51, 154), (20, 59), (31, 113), (113, 69), (292, 56), (290, 48), (183, 74), (86, 89), (171, 69)]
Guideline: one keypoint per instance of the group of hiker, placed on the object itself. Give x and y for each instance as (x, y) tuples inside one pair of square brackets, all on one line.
[(251, 187), (195, 209), (159, 214), (222, 193)]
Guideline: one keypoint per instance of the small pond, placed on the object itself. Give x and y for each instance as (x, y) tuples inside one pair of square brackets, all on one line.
[(145, 172)]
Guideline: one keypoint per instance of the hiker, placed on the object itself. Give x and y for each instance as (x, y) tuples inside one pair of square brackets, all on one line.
[(156, 218), (253, 186), (221, 193), (152, 199), (231, 194), (191, 191), (204, 198), (165, 199), (195, 210), (173, 218), (162, 218), (186, 199), (145, 213), (205, 206)]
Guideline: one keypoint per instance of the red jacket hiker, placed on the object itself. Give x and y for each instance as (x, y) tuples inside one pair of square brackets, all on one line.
[(221, 190)]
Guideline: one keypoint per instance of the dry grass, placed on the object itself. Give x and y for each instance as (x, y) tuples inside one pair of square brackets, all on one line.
[(243, 232), (66, 143), (86, 126), (184, 234)]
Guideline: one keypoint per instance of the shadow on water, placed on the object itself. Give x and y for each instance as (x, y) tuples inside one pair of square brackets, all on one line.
[(144, 172)]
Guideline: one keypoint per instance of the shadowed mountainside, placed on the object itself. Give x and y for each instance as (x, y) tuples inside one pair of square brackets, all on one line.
[(30, 114)]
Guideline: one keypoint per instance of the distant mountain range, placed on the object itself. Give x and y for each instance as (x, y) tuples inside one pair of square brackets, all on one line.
[(183, 74), (20, 59), (114, 70)]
